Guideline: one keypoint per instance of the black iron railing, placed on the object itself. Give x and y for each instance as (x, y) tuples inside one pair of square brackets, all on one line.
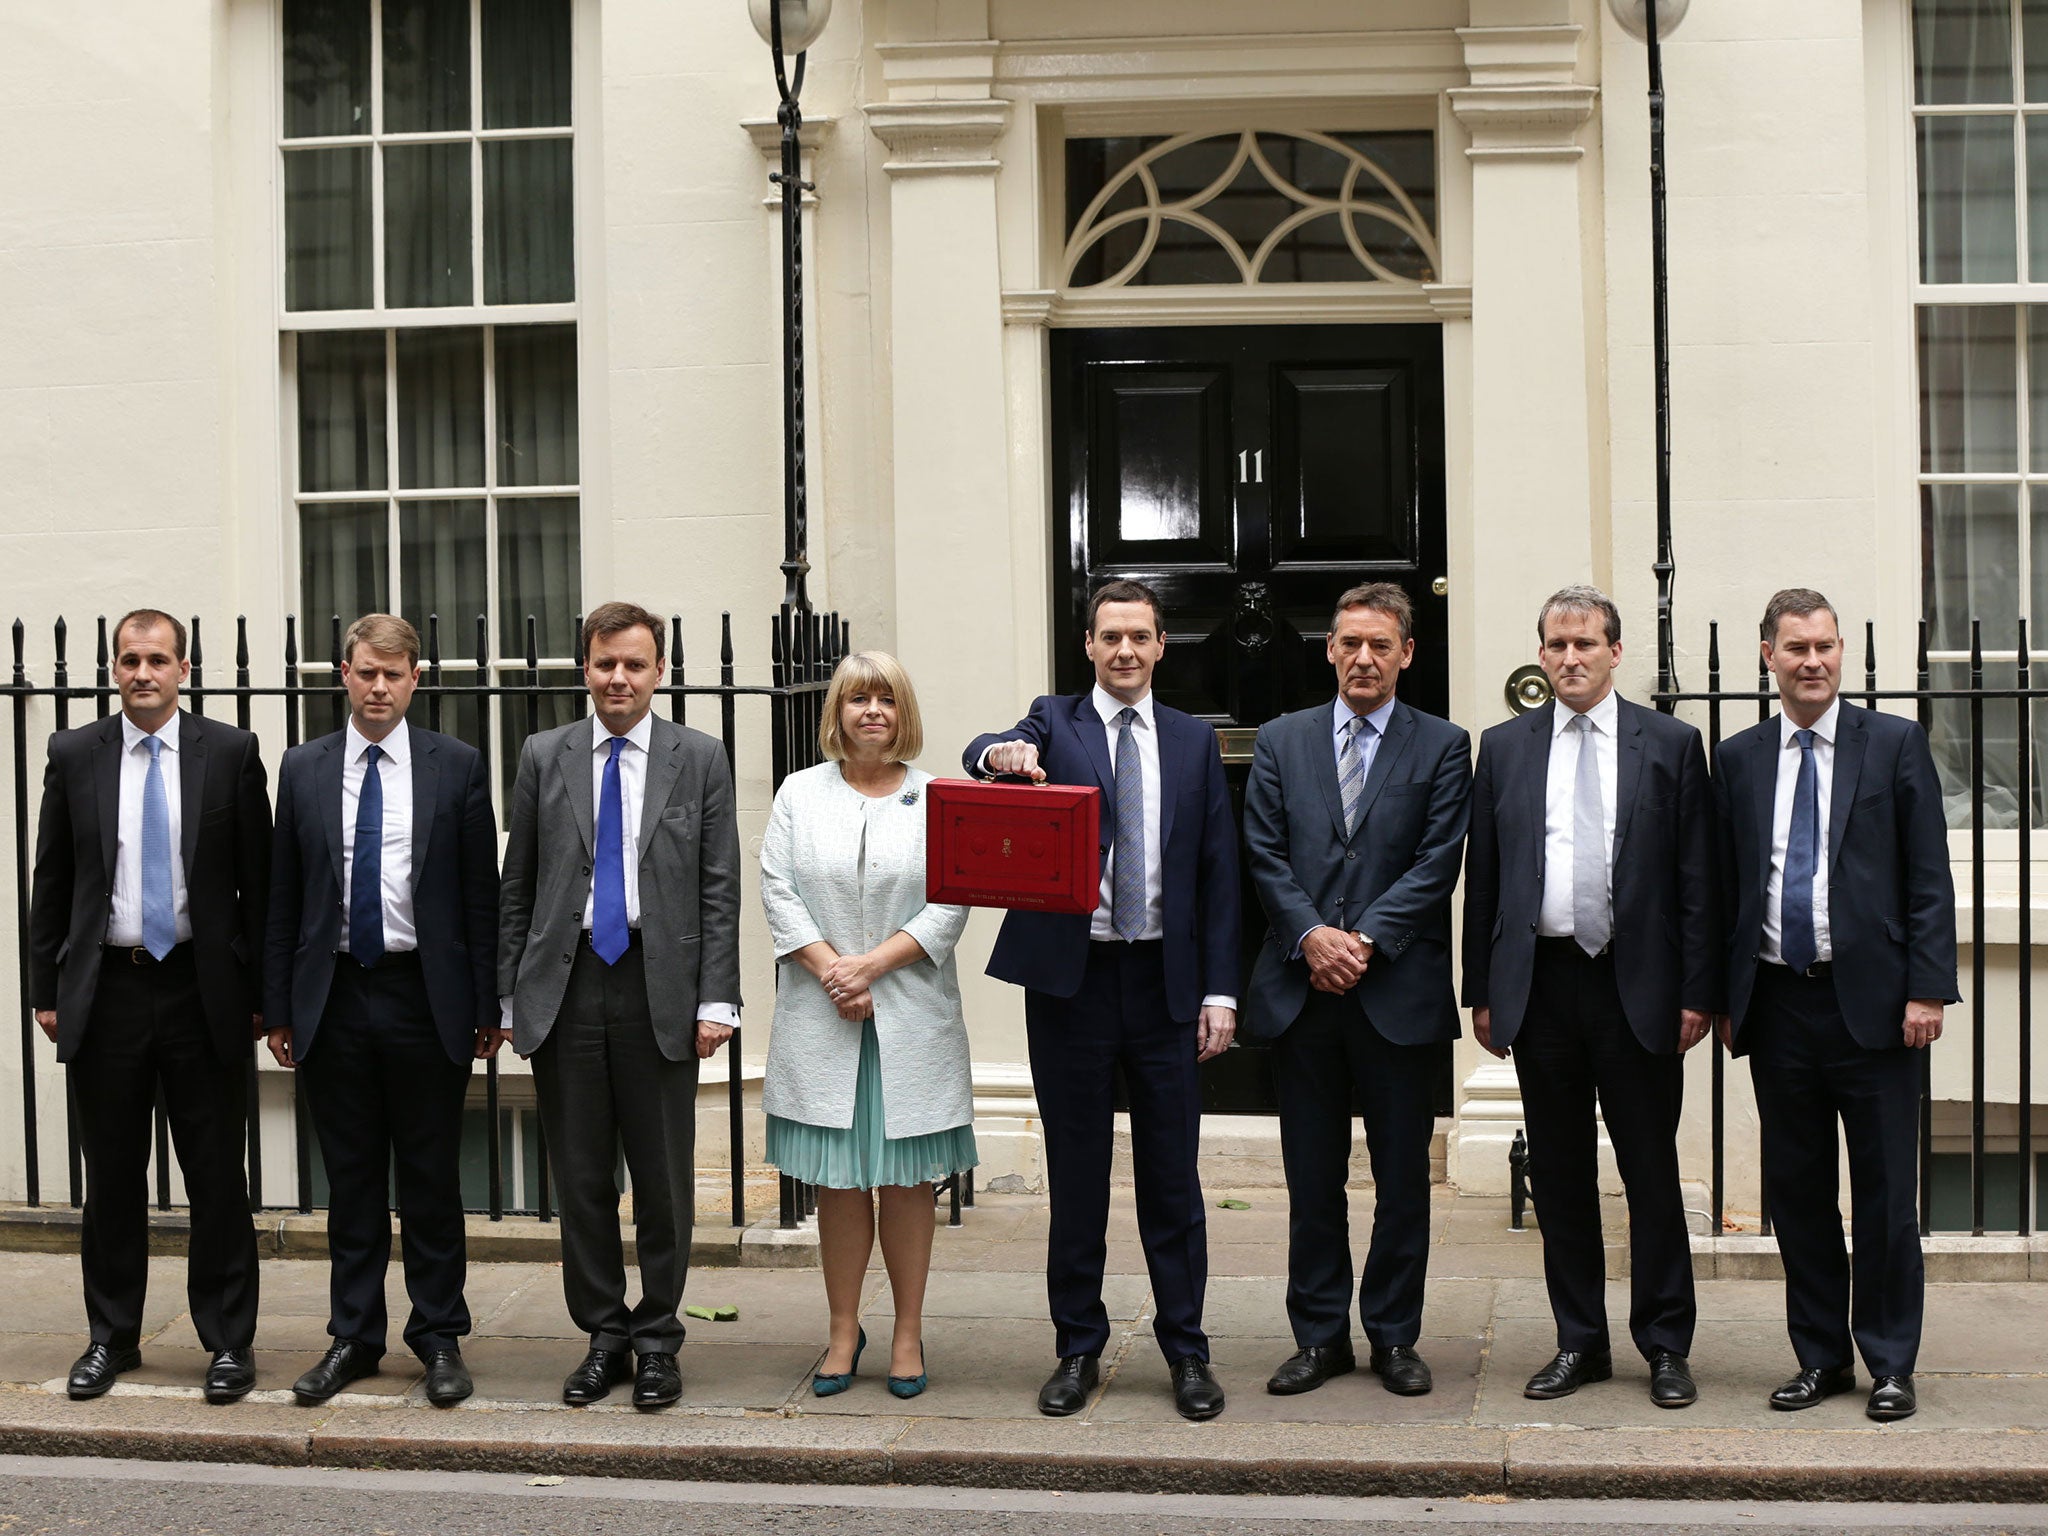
[(494, 703)]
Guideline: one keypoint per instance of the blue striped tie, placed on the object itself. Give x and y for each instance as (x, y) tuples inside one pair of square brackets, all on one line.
[(1127, 890), (1801, 946), (1351, 771), (159, 915)]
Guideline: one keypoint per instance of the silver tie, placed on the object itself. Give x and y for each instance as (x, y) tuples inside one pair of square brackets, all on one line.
[(1591, 923), (1351, 770)]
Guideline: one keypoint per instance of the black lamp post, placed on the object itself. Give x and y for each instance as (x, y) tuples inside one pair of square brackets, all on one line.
[(789, 27), (1651, 21)]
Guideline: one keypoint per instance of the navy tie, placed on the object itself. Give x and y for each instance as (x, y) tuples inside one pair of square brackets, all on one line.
[(1802, 851), (366, 878), (609, 934)]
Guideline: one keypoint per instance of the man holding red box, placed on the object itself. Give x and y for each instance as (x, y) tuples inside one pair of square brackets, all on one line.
[(1146, 982)]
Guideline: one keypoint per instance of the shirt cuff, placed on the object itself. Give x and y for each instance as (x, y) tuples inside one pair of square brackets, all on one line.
[(981, 762), (727, 1014), (504, 1013), (1302, 940), (1218, 1000)]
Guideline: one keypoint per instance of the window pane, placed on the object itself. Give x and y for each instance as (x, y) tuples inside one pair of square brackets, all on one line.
[(426, 65), (341, 411), (441, 408), (426, 225), (1969, 410), (1950, 739), (345, 569), (1968, 214), (528, 222), (326, 68), (442, 568), (2034, 22), (1970, 547), (327, 229), (537, 405), (520, 715), (526, 64), (1962, 51), (539, 573)]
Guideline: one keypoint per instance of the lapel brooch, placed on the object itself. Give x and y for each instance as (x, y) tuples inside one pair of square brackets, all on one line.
[(909, 797)]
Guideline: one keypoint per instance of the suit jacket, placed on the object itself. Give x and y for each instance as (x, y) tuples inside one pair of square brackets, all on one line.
[(454, 888), (1390, 879), (1048, 951), (1891, 898), (224, 843), (689, 849), (1664, 939)]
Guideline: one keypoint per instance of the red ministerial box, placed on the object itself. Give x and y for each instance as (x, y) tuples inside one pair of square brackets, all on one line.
[(1035, 847)]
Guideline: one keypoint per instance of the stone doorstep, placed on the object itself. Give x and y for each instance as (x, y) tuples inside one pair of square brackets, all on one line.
[(1750, 1256), (1861, 1465), (715, 1244)]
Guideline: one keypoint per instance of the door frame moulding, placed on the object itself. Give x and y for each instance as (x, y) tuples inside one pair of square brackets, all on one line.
[(1240, 304)]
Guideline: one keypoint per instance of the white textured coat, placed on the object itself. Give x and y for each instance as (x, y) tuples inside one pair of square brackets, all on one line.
[(841, 867)]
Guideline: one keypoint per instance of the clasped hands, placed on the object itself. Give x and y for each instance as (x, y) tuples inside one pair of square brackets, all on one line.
[(1336, 959), (849, 981)]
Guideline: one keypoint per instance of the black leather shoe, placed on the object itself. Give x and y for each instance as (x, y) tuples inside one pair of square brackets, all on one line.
[(658, 1383), (1671, 1383), (1891, 1397), (93, 1372), (1570, 1370), (1401, 1370), (231, 1375), (593, 1380), (1066, 1389), (1196, 1393), (447, 1378), (347, 1361), (1307, 1369), (1810, 1388)]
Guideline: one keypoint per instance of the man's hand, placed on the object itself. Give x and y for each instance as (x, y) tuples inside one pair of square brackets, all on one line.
[(1923, 1022), (490, 1040), (1724, 1030), (710, 1036), (1214, 1032), (47, 1019), (281, 1047), (1482, 1031), (1692, 1028), (1018, 757), (1336, 959)]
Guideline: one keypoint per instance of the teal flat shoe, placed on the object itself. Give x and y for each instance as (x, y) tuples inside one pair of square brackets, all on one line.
[(910, 1386), (823, 1385)]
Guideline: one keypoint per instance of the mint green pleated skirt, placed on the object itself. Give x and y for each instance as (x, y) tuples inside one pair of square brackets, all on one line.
[(860, 1156)]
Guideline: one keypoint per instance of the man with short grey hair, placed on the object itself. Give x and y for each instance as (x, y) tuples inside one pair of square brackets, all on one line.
[(1590, 953)]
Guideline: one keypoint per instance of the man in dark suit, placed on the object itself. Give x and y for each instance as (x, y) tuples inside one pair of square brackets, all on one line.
[(1590, 951), (145, 952), (1355, 822), (1148, 983), (1841, 956), (379, 983), (619, 959)]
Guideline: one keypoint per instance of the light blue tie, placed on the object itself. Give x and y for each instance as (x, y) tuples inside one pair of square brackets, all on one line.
[(1351, 770), (1127, 890), (1592, 922), (159, 917)]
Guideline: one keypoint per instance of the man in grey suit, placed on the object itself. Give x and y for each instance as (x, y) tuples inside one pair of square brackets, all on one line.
[(618, 957)]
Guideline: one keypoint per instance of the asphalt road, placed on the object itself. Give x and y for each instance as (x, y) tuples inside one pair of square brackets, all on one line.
[(80, 1497)]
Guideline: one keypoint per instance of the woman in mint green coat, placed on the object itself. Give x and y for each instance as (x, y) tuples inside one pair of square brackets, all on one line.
[(869, 1089)]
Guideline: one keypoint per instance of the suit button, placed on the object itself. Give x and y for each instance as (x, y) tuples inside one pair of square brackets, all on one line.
[(1350, 855), (586, 869), (1532, 927), (566, 959)]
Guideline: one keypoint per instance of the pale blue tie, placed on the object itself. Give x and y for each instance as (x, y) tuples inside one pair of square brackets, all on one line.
[(1127, 890), (1351, 770), (1591, 916), (159, 916)]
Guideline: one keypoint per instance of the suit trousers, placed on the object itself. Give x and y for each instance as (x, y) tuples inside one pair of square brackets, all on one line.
[(387, 1104), (1118, 1021), (148, 1035), (1575, 1049), (604, 1084), (1328, 1055), (1810, 1073)]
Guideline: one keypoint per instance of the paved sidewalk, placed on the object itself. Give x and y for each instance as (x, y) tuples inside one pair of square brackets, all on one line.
[(1982, 1430)]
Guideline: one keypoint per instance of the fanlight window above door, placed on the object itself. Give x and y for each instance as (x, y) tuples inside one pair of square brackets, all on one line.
[(1251, 207)]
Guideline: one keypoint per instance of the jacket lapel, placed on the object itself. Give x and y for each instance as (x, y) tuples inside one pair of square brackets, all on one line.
[(1536, 777), (327, 795), (577, 774), (106, 782), (664, 767), (1400, 731), (1321, 746), (192, 755), (1628, 767), (426, 783), (1095, 742), (1171, 760), (1850, 741), (1764, 792)]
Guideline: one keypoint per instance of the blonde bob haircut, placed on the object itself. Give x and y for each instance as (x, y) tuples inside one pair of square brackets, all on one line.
[(872, 672)]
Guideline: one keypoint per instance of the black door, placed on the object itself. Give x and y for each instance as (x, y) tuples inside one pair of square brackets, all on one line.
[(1249, 474)]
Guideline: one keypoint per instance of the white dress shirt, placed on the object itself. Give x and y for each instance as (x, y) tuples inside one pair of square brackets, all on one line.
[(124, 914), (632, 803), (1781, 831), (394, 862), (1560, 790)]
